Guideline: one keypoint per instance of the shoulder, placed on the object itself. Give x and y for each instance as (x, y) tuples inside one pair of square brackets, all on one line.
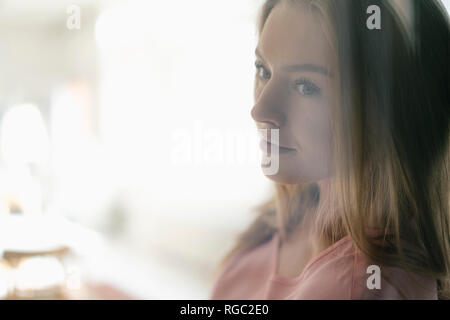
[(329, 276), (244, 273), (343, 272), (250, 258), (393, 283)]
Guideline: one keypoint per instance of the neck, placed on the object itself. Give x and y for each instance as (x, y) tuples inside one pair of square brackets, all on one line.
[(310, 218)]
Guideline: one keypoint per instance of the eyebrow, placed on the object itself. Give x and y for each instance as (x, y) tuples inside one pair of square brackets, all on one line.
[(309, 67)]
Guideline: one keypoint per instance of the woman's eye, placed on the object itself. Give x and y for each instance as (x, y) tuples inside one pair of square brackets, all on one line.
[(307, 88), (261, 71)]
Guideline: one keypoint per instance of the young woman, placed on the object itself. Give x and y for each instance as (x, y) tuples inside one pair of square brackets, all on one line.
[(361, 208)]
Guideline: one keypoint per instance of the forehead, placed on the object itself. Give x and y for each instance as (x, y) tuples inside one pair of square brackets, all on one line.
[(294, 34)]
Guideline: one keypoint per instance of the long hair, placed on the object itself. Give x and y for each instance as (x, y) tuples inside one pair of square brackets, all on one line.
[(390, 142)]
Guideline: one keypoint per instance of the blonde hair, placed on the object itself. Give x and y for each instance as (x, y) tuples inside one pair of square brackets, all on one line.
[(391, 144)]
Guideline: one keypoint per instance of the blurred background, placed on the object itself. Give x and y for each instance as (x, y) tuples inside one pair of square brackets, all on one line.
[(129, 160)]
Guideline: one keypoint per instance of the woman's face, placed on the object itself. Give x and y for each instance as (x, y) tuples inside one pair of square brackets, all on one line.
[(295, 89)]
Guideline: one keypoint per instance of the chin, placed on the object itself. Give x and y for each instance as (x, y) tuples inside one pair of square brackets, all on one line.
[(291, 178), (283, 178)]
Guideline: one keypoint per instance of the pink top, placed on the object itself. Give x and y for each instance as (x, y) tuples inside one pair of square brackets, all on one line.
[(338, 272)]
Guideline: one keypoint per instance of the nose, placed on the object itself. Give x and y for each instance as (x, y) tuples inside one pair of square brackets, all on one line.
[(267, 108)]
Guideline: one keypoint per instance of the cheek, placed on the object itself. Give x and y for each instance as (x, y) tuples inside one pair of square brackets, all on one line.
[(310, 126)]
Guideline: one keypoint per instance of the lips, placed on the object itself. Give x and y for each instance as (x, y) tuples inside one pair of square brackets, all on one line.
[(267, 146)]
